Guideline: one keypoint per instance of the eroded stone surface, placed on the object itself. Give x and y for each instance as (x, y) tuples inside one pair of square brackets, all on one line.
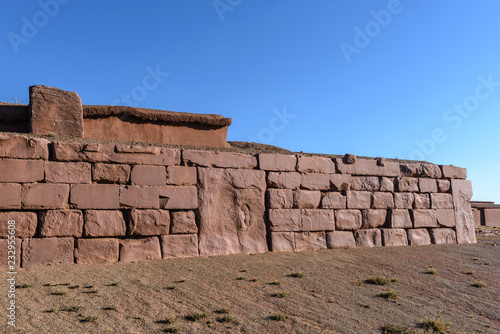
[(148, 222), (97, 250), (61, 223), (219, 159), (310, 241), (280, 198), (179, 246), (400, 218), (395, 237), (47, 251), (368, 238), (443, 236), (284, 180), (334, 200), (135, 250), (340, 239), (104, 223), (23, 147), (464, 220), (282, 241), (183, 222), (373, 218), (348, 219), (111, 173), (277, 162), (306, 199), (418, 237)]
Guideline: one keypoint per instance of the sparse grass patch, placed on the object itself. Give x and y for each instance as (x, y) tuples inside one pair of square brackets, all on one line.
[(255, 279), (378, 280), (76, 286), (436, 325), (390, 294), (170, 320), (115, 284), (479, 284), (279, 294), (59, 293), (172, 330), (357, 283), (396, 329), (24, 286), (487, 263), (332, 300), (275, 283), (93, 290), (278, 317), (75, 308), (90, 318), (226, 319), (394, 279), (111, 307), (52, 310), (88, 286), (431, 271), (471, 272), (243, 271), (298, 274), (365, 306), (241, 278), (475, 259), (195, 316), (222, 311), (171, 287)]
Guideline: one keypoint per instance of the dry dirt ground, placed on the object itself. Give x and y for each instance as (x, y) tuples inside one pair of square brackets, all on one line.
[(239, 294)]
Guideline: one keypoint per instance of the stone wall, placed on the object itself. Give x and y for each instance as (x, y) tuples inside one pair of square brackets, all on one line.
[(486, 214), (84, 203)]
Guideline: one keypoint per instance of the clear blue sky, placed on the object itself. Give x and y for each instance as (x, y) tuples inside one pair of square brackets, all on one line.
[(398, 79)]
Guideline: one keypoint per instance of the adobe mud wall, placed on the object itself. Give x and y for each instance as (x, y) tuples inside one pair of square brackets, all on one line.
[(86, 203)]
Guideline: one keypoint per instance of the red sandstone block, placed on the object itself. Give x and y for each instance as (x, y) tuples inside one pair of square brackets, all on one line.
[(427, 185), (16, 170), (418, 169), (404, 200), (310, 241), (183, 222), (348, 219), (492, 217), (287, 220), (365, 183), (179, 246), (407, 184), (47, 251), (424, 218), (315, 181), (10, 196), (182, 176), (418, 237), (441, 201), (359, 199), (382, 200), (61, 223), (373, 218), (317, 220), (144, 197), (23, 147), (98, 250), (148, 222), (277, 162), (387, 184), (441, 236), (340, 239), (148, 175), (282, 241), (334, 200), (67, 172), (306, 199), (422, 201), (477, 216), (104, 223), (10, 256), (443, 186), (340, 182), (25, 223), (45, 196), (462, 194), (315, 165), (452, 172), (400, 219), (284, 180), (218, 159), (394, 237), (95, 196), (110, 173), (368, 238), (279, 198), (368, 167), (134, 250), (181, 198), (445, 217)]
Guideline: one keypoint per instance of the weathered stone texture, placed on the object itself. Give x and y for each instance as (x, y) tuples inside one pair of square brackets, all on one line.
[(231, 212), (441, 201), (334, 200), (148, 175), (67, 172), (400, 219), (10, 196), (110, 173), (279, 198), (134, 250), (394, 237), (315, 181), (340, 182), (181, 176), (179, 246), (373, 218), (277, 162), (23, 147), (422, 201), (282, 241), (445, 217), (306, 199), (492, 217), (387, 184), (17, 170), (443, 186), (382, 200), (368, 167), (284, 180), (148, 222), (310, 241), (427, 185), (45, 196), (418, 237), (407, 184), (317, 220), (98, 250), (368, 238), (403, 200), (417, 169), (315, 165), (25, 223), (424, 218), (348, 219), (359, 199), (178, 198), (340, 239), (61, 223), (443, 236), (452, 172), (47, 251), (104, 223), (365, 183), (462, 194), (285, 220), (95, 196), (144, 197), (183, 222), (219, 159)]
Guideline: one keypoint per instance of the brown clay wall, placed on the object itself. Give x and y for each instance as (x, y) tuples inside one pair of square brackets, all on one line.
[(86, 203)]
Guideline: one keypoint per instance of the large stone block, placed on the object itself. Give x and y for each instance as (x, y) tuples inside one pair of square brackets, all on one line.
[(407, 184), (218, 159), (104, 223), (282, 241), (61, 223), (404, 200), (317, 220), (382, 200), (387, 184), (180, 198), (443, 186), (477, 216), (17, 170), (462, 194), (25, 223), (365, 183), (285, 220), (373, 218), (441, 201), (53, 110), (315, 165), (148, 222), (368, 238), (418, 169), (418, 237), (441, 236), (183, 222), (348, 219), (452, 172), (359, 199), (10, 256), (181, 176), (492, 217), (400, 218), (280, 198), (179, 246), (422, 201), (110, 173), (45, 196), (445, 217), (306, 199), (10, 196), (424, 218), (340, 239), (334, 200), (47, 251), (23, 147), (310, 241), (97, 250), (340, 182), (148, 175), (95, 196), (277, 162), (135, 250), (231, 212), (315, 181), (427, 185), (284, 180), (368, 167), (395, 237), (144, 197), (67, 172)]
